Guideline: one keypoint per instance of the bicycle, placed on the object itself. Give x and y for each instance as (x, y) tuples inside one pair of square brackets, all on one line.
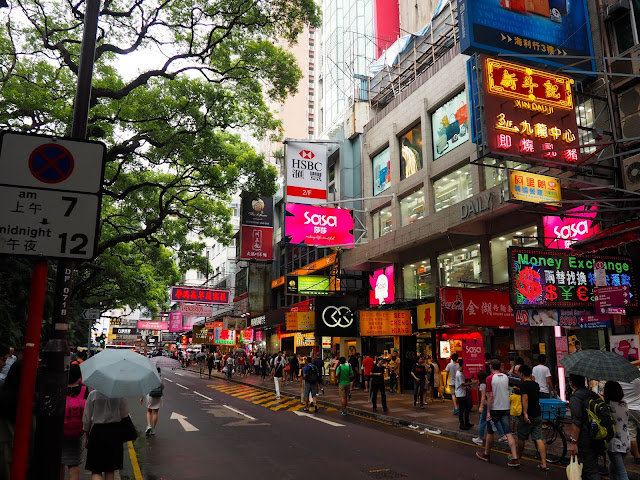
[(553, 432)]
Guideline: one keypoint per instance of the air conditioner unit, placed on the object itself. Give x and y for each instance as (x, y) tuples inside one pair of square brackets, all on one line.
[(617, 8), (629, 106), (628, 64), (631, 173)]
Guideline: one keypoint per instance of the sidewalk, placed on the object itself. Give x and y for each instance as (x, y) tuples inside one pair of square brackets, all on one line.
[(435, 416)]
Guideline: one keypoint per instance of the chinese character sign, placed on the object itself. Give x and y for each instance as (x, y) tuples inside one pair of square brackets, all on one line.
[(306, 165), (200, 295), (175, 321), (470, 306), (533, 188), (319, 226), (256, 243), (385, 323), (557, 278)]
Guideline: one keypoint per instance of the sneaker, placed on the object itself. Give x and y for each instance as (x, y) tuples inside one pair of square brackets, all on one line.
[(482, 456), (152, 432), (349, 397), (422, 406), (277, 398), (344, 414), (148, 430), (477, 441), (464, 427), (514, 462), (503, 439), (305, 409), (469, 425), (455, 411), (544, 469), (322, 390)]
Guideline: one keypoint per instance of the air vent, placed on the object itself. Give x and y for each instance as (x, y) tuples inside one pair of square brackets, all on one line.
[(629, 101), (631, 126), (631, 173)]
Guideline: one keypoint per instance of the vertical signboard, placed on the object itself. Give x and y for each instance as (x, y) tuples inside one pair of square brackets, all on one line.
[(306, 165), (256, 232), (472, 357), (382, 287)]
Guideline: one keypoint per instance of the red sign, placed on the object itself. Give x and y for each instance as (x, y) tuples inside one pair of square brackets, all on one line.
[(529, 112), (256, 243), (608, 297), (475, 307), (200, 295), (472, 357)]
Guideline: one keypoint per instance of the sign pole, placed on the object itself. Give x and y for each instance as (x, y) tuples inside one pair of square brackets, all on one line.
[(26, 393)]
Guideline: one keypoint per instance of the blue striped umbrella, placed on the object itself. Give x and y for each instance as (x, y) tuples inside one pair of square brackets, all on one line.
[(600, 365)]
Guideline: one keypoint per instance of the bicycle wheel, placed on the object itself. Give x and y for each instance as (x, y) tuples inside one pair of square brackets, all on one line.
[(555, 442)]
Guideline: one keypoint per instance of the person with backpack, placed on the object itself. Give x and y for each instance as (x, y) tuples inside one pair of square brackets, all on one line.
[(588, 413), (310, 378), (344, 374), (618, 447), (73, 431), (154, 402)]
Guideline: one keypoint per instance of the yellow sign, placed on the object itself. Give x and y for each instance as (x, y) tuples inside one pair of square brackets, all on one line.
[(534, 188), (426, 316), (305, 339), (300, 321), (308, 269), (379, 323)]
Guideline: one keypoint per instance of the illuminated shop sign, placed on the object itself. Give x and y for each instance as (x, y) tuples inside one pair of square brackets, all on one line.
[(385, 323), (564, 231), (555, 278), (221, 336), (319, 226), (533, 188), (308, 285), (300, 321), (200, 295), (382, 287)]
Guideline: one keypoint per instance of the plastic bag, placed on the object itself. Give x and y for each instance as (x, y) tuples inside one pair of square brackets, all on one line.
[(574, 470)]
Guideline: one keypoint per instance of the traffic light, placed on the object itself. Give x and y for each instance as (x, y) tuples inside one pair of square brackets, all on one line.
[(101, 340)]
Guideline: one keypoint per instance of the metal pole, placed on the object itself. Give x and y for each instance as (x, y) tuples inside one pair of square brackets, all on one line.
[(55, 365)]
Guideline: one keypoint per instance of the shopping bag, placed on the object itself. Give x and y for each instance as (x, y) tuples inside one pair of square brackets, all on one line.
[(574, 470), (515, 404)]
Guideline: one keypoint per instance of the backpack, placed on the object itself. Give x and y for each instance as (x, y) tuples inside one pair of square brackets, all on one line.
[(156, 392), (602, 424), (73, 411), (312, 375)]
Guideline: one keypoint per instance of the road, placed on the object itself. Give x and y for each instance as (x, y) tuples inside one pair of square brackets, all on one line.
[(226, 429)]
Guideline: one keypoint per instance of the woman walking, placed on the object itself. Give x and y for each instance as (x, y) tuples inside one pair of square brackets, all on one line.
[(154, 402), (73, 438)]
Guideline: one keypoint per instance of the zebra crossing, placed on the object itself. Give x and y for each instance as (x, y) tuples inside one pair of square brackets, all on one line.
[(264, 398)]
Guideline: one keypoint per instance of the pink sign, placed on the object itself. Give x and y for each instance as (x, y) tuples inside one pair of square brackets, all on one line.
[(259, 336), (382, 287), (175, 321), (319, 226), (145, 325), (472, 357), (562, 232)]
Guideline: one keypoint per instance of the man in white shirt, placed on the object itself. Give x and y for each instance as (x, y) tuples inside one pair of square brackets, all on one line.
[(452, 369), (632, 397), (542, 374)]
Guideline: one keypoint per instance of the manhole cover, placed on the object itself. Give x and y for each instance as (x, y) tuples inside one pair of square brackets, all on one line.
[(384, 473)]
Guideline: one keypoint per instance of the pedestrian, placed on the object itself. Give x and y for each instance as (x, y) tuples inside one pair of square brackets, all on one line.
[(310, 377), (8, 410), (10, 359), (367, 365), (210, 363), (464, 407), (240, 362), (354, 361), (419, 374), (580, 441), (498, 413), (632, 398), (618, 446), (487, 363), (277, 373), (530, 422), (377, 385), (101, 421), (319, 364), (73, 432), (286, 373), (452, 370), (431, 378), (394, 371), (256, 364), (218, 361), (294, 365), (542, 375), (344, 374), (229, 366), (482, 425), (154, 402), (264, 364)]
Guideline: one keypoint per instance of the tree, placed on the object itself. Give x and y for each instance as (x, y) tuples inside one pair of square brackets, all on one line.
[(172, 129)]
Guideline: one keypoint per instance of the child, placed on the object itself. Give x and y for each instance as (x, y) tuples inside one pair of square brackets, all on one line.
[(618, 446), (482, 387)]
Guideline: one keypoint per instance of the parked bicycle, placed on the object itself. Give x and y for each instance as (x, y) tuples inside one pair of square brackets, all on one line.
[(553, 433)]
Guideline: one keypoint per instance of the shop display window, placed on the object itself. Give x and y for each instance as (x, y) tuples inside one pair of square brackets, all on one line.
[(453, 188), (411, 152), (382, 222), (495, 171), (412, 207), (450, 125), (525, 237), (381, 172), (417, 280), (461, 266)]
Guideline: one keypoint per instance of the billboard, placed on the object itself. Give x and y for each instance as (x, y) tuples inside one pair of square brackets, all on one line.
[(534, 188), (411, 152), (426, 316), (256, 243), (556, 278), (306, 165), (450, 125), (552, 29), (256, 210), (318, 226), (382, 287), (147, 325), (296, 321), (200, 295), (308, 285), (561, 232), (222, 336), (381, 171), (385, 323)]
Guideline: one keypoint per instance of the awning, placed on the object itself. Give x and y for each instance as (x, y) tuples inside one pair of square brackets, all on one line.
[(610, 238)]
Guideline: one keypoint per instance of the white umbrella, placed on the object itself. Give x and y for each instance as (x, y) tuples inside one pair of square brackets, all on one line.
[(165, 362), (120, 373)]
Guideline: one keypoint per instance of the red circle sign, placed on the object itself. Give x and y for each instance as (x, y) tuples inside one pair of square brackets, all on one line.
[(51, 163)]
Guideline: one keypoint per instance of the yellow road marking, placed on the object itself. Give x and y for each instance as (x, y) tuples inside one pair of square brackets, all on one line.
[(134, 462), (290, 403), (295, 408)]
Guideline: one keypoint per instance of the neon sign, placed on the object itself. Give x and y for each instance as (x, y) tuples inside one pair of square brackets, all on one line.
[(199, 295), (562, 232)]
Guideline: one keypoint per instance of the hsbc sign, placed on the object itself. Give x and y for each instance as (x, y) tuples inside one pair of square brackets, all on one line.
[(306, 165)]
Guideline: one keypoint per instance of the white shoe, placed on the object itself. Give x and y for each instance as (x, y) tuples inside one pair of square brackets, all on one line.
[(148, 430), (477, 441), (503, 439)]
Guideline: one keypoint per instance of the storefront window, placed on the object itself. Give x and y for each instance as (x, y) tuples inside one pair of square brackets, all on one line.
[(525, 237), (461, 266), (450, 125), (381, 172), (495, 171), (382, 222), (412, 207), (453, 188), (417, 280), (410, 152)]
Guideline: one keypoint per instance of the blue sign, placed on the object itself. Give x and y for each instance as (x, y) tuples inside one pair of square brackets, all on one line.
[(553, 28)]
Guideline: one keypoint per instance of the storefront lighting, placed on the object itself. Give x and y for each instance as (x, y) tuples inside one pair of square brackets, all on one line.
[(450, 254), (518, 233), (412, 265), (502, 238), (464, 249), (424, 261)]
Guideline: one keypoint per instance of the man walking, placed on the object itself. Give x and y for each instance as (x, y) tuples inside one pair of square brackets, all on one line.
[(452, 370), (354, 361), (367, 365), (419, 374), (319, 364), (377, 384), (498, 413), (464, 408), (277, 373), (530, 422), (310, 377), (344, 373), (542, 376)]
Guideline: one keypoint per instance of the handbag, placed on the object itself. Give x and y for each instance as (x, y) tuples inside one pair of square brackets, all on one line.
[(128, 432)]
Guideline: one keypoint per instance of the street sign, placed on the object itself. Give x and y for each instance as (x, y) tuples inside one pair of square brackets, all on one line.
[(91, 313), (600, 273), (608, 297), (49, 196)]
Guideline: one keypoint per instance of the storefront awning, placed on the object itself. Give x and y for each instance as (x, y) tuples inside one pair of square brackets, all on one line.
[(610, 238)]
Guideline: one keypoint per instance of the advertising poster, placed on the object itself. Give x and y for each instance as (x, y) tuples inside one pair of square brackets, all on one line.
[(562, 232), (256, 243), (308, 285), (450, 125), (306, 165), (257, 211), (298, 321), (426, 316), (552, 29), (625, 345), (411, 152), (445, 349), (385, 323), (222, 336), (382, 287), (175, 321), (319, 226), (472, 357), (381, 171)]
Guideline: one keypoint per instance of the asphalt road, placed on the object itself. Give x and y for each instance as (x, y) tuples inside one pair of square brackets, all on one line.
[(218, 431)]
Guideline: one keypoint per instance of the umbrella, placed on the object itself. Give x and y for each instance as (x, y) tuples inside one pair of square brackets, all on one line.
[(600, 365), (240, 350), (120, 373), (165, 362), (200, 354)]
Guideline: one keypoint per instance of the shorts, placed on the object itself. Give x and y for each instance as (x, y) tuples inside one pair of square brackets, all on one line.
[(367, 378), (634, 424), (499, 419), (310, 388), (534, 428), (344, 390)]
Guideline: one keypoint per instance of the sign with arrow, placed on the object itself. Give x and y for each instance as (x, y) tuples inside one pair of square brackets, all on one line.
[(607, 298), (183, 422), (91, 313)]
